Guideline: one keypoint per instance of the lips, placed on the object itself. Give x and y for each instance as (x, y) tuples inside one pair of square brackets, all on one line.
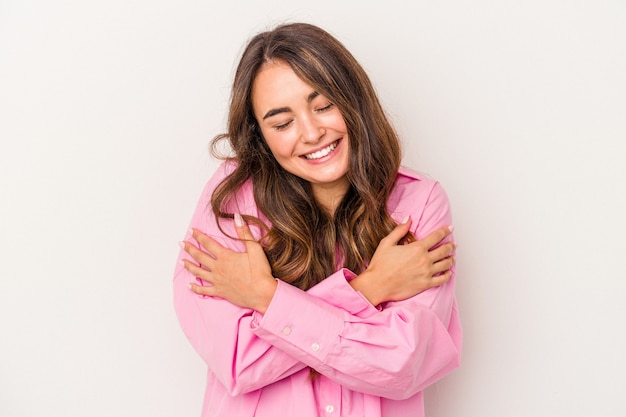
[(322, 152)]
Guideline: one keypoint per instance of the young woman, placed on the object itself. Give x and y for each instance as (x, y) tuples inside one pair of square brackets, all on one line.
[(317, 278)]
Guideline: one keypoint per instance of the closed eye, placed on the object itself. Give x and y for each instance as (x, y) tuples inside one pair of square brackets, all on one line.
[(283, 125), (327, 107)]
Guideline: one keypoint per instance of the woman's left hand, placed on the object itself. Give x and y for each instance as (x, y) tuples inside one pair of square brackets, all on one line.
[(242, 278)]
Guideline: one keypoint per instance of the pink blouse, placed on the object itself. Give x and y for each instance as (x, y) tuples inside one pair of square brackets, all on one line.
[(374, 362)]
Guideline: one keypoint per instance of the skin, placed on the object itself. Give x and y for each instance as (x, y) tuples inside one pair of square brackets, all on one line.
[(253, 286), (296, 121), (396, 272)]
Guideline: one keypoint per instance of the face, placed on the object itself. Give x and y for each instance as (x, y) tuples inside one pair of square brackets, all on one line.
[(304, 130)]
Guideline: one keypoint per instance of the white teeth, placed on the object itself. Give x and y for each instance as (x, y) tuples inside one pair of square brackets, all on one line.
[(322, 152)]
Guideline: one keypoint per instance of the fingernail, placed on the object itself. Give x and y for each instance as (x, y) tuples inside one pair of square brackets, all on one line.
[(182, 245), (190, 231), (181, 263), (238, 220), (451, 228), (405, 220)]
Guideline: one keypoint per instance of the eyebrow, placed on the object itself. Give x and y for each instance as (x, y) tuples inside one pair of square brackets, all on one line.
[(274, 112)]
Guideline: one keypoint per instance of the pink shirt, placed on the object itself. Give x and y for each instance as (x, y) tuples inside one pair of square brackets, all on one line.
[(374, 362)]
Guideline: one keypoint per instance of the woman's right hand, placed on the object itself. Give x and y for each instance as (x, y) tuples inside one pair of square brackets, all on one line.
[(397, 272)]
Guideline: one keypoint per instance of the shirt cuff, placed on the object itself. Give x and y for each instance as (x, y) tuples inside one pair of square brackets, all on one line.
[(304, 326), (337, 291)]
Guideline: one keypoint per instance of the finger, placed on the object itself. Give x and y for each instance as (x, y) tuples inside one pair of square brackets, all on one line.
[(436, 237), (198, 255), (441, 279), (207, 242), (397, 233), (442, 252), (243, 232), (443, 265), (202, 289), (197, 271)]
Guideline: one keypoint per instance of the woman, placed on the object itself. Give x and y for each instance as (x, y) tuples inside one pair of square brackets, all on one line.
[(318, 275)]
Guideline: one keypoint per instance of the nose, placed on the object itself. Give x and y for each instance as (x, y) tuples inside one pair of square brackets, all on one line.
[(311, 131)]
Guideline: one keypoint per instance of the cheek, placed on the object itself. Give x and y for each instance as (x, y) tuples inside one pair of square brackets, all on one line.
[(338, 122), (279, 147)]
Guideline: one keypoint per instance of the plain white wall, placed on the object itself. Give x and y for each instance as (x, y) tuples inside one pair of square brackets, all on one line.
[(106, 109)]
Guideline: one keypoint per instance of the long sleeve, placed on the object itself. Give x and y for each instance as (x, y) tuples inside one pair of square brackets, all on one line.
[(393, 353), (218, 330), (221, 332)]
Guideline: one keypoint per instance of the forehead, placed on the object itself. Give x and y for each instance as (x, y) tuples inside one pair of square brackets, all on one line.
[(276, 84)]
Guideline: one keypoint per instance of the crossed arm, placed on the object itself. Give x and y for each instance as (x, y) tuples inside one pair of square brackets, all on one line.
[(253, 330), (395, 273)]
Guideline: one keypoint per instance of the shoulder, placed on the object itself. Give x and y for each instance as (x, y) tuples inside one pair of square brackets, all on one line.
[(240, 200), (411, 184), (241, 196), (409, 176), (224, 169), (222, 172), (413, 193)]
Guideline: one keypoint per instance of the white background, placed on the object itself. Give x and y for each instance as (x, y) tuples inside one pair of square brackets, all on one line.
[(106, 110)]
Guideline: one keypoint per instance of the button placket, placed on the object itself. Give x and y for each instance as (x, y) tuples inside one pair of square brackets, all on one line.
[(329, 396)]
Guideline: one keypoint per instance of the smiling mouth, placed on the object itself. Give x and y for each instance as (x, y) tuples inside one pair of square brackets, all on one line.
[(322, 152)]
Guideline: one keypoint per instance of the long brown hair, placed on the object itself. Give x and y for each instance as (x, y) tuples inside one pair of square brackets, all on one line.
[(304, 243)]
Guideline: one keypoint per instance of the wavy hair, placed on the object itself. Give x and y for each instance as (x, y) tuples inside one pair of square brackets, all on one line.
[(303, 242)]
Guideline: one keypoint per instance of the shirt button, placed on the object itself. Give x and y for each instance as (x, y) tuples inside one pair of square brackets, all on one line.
[(330, 408), (287, 330), (315, 347)]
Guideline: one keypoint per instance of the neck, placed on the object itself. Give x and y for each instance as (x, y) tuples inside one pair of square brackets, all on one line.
[(328, 196)]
